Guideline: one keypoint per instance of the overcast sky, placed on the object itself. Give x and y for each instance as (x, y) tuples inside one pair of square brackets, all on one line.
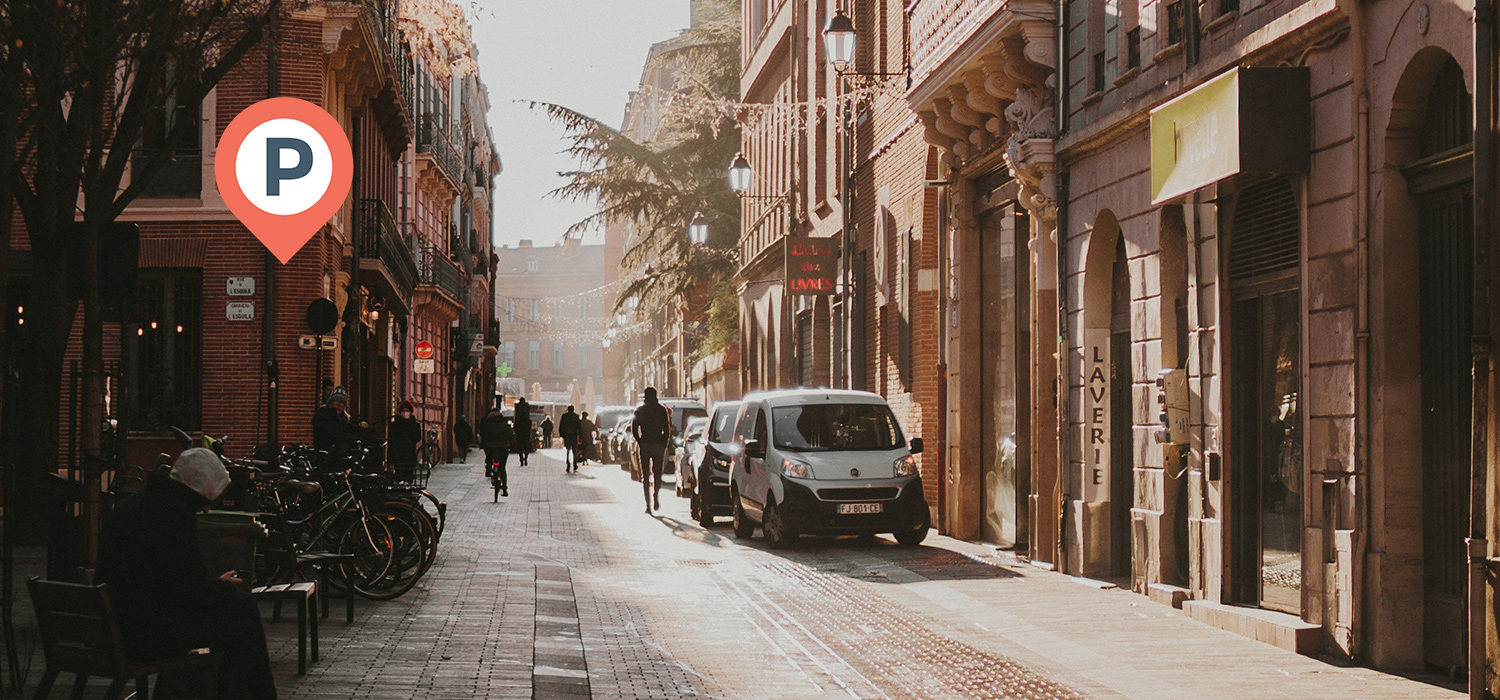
[(583, 54)]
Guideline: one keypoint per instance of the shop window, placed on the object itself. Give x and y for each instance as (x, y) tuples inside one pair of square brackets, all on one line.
[(170, 382)]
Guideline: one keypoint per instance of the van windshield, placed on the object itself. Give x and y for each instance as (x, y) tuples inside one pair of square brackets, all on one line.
[(835, 427)]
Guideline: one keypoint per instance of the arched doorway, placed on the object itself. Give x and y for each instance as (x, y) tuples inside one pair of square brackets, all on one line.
[(1108, 487), (1439, 181), (1266, 470)]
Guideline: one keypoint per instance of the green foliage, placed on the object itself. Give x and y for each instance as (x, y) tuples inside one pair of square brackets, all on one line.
[(723, 321), (656, 184)]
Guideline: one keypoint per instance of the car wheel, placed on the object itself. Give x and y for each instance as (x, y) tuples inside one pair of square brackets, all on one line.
[(743, 528), (778, 534), (912, 538)]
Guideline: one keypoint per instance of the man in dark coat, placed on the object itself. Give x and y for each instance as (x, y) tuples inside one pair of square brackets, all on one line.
[(333, 432), (463, 436), (586, 431), (547, 433), (496, 437), (167, 602), (402, 440), (522, 426), (652, 430), (570, 428)]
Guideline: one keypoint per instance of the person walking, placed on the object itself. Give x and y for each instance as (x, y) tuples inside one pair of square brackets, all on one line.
[(569, 428), (496, 436), (586, 431), (166, 599), (522, 425), (463, 436), (547, 433), (652, 430), (403, 437)]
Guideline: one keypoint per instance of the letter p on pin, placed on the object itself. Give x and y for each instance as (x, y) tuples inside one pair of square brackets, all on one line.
[(275, 170)]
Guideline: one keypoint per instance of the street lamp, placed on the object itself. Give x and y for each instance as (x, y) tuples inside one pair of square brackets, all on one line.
[(741, 176), (698, 230), (840, 40)]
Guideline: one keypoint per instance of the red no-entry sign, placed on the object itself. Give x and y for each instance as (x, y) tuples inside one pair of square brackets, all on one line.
[(424, 350)]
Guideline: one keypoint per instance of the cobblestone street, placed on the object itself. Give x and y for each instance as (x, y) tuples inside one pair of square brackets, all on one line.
[(566, 589)]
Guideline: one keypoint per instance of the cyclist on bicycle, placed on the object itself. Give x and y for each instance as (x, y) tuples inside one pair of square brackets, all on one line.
[(402, 440), (496, 437)]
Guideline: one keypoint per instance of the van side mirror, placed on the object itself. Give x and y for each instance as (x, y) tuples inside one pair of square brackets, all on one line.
[(753, 448), (916, 446)]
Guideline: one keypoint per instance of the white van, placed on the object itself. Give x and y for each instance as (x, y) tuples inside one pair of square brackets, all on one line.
[(828, 462)]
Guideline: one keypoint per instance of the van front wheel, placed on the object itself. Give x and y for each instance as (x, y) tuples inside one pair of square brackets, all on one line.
[(778, 534), (914, 537)]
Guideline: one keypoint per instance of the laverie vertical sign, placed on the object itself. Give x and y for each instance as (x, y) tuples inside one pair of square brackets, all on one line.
[(1096, 417)]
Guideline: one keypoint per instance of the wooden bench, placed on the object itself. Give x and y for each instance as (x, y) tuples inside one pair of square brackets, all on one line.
[(80, 635)]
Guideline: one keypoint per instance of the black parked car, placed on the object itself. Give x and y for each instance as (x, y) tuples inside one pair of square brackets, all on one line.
[(709, 476)]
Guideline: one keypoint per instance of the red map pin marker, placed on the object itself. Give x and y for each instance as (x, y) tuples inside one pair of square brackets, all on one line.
[(284, 168)]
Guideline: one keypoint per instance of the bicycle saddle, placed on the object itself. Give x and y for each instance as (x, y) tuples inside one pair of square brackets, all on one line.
[(308, 487)]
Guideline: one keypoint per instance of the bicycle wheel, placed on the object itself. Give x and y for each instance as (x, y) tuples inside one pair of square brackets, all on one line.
[(421, 522), (407, 557), (372, 545), (435, 509)]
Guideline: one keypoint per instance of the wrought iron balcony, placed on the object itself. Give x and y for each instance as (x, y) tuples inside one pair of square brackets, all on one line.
[(439, 271), (380, 241), (433, 141)]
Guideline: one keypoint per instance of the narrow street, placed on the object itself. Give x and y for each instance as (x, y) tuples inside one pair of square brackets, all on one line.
[(567, 589)]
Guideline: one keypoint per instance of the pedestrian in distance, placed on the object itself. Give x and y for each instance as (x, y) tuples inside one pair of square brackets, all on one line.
[(569, 428), (522, 426), (496, 437), (167, 601), (586, 431), (463, 436), (402, 440), (547, 432), (652, 430)]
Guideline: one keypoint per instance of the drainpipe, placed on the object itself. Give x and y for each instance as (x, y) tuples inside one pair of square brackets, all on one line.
[(1362, 370), (268, 315), (1484, 185), (1060, 495)]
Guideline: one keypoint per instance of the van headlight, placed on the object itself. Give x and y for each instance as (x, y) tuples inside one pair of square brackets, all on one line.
[(906, 466), (794, 469)]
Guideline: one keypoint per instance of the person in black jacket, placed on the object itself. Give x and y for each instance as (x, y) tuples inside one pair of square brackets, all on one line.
[(652, 430), (166, 601), (570, 429), (402, 440), (496, 437), (463, 436), (521, 424), (547, 433), (333, 431)]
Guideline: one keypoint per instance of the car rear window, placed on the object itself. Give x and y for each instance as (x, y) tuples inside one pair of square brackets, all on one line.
[(835, 427)]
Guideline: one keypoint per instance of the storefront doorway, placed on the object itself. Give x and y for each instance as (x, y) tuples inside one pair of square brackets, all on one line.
[(1265, 391), (1004, 331)]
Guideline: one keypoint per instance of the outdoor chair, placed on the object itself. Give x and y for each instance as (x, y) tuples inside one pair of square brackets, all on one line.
[(81, 635)]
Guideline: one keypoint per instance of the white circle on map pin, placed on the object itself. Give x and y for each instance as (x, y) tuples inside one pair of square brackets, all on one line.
[(296, 195)]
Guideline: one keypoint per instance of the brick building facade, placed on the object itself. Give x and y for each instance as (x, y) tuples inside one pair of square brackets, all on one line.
[(221, 342)]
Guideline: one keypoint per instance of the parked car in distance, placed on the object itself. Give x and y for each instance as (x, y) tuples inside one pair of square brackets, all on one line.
[(829, 462), (606, 418), (706, 475), (681, 409), (692, 442)]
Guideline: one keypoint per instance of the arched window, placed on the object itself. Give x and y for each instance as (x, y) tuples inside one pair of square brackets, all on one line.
[(1449, 122)]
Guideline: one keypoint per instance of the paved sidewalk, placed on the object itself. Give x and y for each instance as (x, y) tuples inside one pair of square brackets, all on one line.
[(566, 589)]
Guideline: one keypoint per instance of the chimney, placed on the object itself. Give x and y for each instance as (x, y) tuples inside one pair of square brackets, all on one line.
[(525, 243)]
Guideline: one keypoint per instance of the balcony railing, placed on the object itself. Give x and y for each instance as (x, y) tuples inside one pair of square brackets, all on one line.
[(434, 142), (380, 239), (441, 272)]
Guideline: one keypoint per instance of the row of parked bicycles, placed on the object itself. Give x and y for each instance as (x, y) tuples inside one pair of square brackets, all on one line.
[(379, 524)]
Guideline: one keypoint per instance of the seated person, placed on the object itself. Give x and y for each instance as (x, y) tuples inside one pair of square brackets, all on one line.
[(166, 601)]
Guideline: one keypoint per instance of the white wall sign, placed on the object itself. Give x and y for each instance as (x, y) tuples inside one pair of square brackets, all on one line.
[(240, 311), (1096, 415), (427, 366), (239, 286)]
